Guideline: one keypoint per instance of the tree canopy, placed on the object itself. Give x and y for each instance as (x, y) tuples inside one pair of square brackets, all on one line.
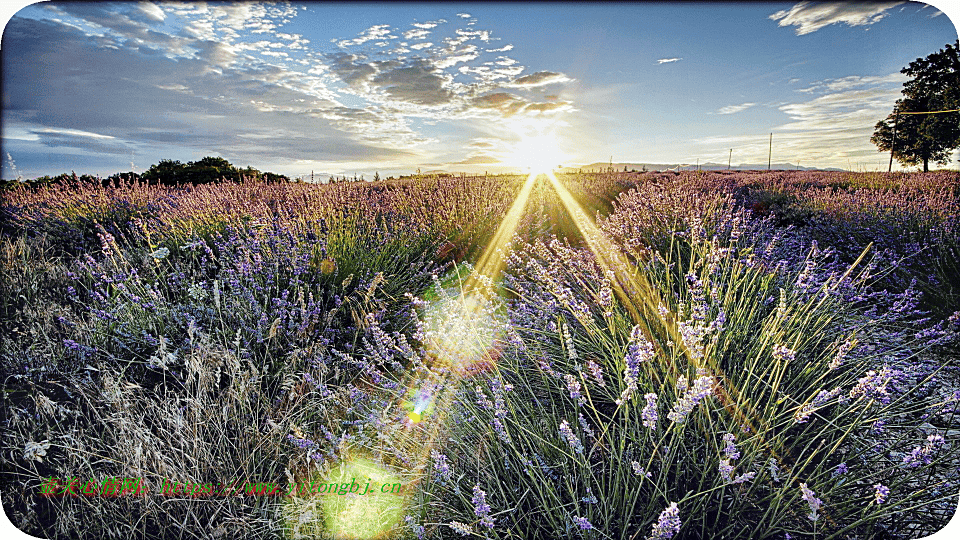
[(204, 171), (917, 131)]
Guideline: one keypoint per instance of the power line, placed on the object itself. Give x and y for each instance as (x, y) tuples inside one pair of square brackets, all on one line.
[(930, 112)]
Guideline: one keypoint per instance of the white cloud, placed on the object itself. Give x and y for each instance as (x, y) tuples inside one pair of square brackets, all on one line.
[(417, 33), (377, 32), (811, 16), (853, 81), (540, 78), (75, 132), (731, 109), (668, 60), (464, 15), (151, 11)]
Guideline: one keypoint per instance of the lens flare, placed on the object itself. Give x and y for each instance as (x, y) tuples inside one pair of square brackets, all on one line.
[(361, 499), (420, 403)]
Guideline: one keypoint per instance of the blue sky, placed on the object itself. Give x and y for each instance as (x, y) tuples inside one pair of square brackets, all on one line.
[(358, 88)]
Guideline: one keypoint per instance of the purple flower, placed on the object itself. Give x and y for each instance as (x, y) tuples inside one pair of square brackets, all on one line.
[(639, 350), (649, 413), (812, 501), (702, 388), (441, 465), (573, 386), (924, 454), (583, 523), (841, 469), (730, 449), (571, 438), (480, 506), (880, 494), (667, 525), (596, 371), (639, 471), (841, 354), (783, 354)]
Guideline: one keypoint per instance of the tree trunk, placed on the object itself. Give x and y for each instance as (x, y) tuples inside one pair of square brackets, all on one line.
[(925, 160)]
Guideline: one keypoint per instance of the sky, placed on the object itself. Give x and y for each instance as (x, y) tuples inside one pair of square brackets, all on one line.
[(333, 88)]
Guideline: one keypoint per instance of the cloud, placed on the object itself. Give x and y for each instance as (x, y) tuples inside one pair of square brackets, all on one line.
[(351, 68), (377, 32), (853, 81), (540, 78), (507, 104), (811, 16), (464, 15), (478, 159), (151, 11), (416, 33), (668, 60), (415, 83), (731, 109), (188, 80)]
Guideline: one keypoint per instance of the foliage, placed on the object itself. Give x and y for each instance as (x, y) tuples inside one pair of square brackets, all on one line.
[(797, 374), (935, 86), (204, 171)]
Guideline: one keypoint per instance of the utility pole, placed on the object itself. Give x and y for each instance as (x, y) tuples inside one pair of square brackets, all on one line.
[(729, 158), (896, 118), (770, 152)]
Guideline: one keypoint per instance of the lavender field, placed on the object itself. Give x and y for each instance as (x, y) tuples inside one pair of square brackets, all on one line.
[(607, 356)]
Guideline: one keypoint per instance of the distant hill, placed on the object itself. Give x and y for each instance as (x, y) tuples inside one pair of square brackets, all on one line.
[(599, 167)]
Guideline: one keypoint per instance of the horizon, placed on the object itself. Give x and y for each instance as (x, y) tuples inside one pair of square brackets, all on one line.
[(364, 88)]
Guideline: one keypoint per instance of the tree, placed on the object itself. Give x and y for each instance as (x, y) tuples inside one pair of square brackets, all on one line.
[(167, 171), (931, 136)]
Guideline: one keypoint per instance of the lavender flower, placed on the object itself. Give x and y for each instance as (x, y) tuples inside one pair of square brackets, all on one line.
[(841, 469), (480, 506), (924, 455), (596, 371), (414, 526), (585, 425), (571, 350), (582, 523), (649, 413), (667, 525), (783, 354), (702, 388), (730, 450), (606, 299), (726, 468), (571, 438), (639, 350), (441, 465), (841, 354), (638, 470), (460, 528), (812, 501), (880, 494), (573, 386)]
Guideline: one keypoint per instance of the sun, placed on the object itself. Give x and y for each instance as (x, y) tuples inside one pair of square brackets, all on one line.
[(539, 153)]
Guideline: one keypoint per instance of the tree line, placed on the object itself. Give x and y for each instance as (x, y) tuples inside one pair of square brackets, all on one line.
[(167, 172)]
